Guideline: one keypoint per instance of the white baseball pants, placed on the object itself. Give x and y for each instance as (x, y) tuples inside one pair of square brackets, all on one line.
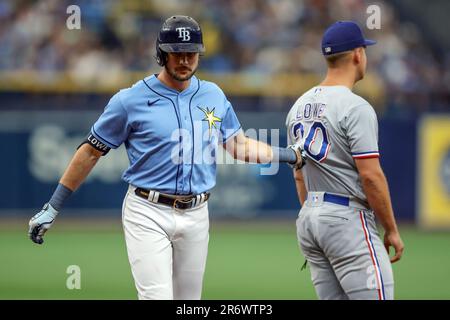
[(167, 248)]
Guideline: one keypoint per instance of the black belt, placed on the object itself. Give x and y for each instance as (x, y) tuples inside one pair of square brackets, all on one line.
[(176, 202)]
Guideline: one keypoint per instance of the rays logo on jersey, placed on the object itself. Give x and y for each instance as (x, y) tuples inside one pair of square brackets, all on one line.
[(210, 118)]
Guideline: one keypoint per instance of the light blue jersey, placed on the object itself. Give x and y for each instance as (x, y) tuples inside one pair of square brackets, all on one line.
[(171, 137)]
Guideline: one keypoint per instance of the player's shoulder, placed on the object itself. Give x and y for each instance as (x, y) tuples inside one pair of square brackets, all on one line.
[(128, 96), (210, 87), (347, 101), (356, 102), (302, 100), (131, 90), (305, 98)]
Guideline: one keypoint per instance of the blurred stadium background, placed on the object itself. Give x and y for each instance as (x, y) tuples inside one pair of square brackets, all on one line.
[(54, 82)]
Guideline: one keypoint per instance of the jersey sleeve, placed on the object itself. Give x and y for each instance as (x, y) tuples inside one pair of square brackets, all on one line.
[(112, 127), (230, 125), (361, 127)]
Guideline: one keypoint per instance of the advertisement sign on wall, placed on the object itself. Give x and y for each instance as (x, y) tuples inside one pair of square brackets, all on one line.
[(434, 172)]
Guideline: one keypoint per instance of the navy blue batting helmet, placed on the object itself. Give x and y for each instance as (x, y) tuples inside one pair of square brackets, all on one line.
[(178, 34)]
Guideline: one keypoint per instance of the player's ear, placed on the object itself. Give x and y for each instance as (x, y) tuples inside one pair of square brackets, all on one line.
[(357, 55)]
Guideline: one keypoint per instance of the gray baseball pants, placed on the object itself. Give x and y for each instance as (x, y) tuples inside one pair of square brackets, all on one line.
[(342, 245)]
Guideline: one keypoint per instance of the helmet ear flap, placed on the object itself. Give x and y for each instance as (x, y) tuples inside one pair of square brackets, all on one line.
[(161, 56)]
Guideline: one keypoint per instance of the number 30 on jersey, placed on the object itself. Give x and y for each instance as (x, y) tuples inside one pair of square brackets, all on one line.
[(316, 143)]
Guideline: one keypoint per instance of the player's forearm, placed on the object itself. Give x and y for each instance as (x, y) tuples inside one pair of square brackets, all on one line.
[(249, 150), (376, 188), (79, 167), (253, 151)]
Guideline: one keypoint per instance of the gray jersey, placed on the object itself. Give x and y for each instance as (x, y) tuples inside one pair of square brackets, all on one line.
[(334, 126)]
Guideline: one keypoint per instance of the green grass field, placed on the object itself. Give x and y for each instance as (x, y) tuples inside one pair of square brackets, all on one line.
[(246, 261)]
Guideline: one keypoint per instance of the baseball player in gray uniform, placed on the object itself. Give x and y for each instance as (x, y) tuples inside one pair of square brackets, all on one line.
[(171, 124), (343, 187)]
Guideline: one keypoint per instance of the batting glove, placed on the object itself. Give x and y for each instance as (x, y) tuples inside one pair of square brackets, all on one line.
[(301, 156), (41, 222)]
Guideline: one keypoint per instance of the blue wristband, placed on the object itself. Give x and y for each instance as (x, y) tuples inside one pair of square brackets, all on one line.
[(59, 196), (284, 155)]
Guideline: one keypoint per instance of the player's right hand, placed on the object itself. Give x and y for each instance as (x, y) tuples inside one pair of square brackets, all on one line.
[(301, 156), (41, 222), (393, 239)]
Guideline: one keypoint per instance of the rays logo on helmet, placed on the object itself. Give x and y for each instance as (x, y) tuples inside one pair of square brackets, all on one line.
[(184, 34)]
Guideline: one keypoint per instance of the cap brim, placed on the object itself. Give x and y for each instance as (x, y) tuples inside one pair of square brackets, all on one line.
[(182, 47), (369, 42)]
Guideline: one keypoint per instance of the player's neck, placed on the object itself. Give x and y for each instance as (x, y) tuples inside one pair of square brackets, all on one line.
[(170, 82), (339, 77)]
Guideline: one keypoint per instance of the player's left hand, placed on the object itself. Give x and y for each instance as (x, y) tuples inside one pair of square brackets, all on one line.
[(393, 239), (301, 156), (41, 222)]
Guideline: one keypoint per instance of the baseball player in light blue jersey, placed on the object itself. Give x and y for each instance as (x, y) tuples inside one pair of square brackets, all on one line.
[(171, 124), (343, 187)]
